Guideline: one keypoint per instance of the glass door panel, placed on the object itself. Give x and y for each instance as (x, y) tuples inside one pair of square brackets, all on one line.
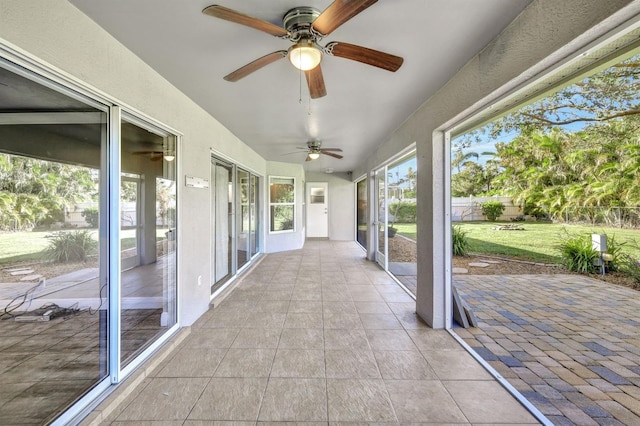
[(381, 217), (222, 216), (361, 219), (148, 287), (253, 216), (243, 222), (53, 246)]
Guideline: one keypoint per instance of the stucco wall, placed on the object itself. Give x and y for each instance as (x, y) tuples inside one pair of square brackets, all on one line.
[(57, 33), (544, 34)]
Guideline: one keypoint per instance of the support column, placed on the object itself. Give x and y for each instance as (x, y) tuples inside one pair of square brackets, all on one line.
[(431, 292)]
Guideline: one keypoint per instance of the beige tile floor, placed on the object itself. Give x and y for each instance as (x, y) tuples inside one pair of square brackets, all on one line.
[(318, 335)]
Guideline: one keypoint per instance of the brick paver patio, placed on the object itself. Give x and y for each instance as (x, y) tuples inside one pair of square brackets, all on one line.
[(569, 344)]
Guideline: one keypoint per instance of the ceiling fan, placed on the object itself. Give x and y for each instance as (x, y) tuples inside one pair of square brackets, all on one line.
[(314, 151), (305, 27), (153, 155)]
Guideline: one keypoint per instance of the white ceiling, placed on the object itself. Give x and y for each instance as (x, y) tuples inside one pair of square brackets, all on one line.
[(364, 104)]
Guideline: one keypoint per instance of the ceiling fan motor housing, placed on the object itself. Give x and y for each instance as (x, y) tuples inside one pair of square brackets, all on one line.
[(314, 145), (298, 22)]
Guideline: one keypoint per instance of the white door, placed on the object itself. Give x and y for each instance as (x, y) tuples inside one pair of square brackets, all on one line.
[(317, 209)]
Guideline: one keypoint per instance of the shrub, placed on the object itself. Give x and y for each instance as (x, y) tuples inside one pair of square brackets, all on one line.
[(459, 241), (92, 216), (615, 250), (492, 210), (403, 212), (70, 246), (578, 255), (630, 265)]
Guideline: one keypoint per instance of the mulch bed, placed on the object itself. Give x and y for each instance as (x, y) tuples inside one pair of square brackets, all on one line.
[(402, 249)]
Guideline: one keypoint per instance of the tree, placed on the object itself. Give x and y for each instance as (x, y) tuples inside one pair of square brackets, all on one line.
[(473, 178), (577, 148), (609, 94), (36, 191)]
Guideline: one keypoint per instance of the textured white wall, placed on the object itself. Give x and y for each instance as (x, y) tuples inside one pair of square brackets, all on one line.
[(545, 33)]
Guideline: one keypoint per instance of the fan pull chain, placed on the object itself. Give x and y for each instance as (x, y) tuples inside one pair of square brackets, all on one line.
[(300, 87)]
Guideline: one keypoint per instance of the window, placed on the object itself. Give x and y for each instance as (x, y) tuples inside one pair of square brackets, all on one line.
[(281, 204)]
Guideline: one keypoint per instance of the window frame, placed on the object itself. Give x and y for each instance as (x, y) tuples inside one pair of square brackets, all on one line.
[(292, 204)]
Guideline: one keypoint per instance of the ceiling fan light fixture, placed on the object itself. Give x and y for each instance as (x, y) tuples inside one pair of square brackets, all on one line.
[(305, 55), (169, 157), (314, 155)]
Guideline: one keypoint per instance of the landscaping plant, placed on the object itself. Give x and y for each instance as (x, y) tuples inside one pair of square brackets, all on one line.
[(459, 241), (630, 265), (91, 216), (578, 255), (492, 210), (73, 246)]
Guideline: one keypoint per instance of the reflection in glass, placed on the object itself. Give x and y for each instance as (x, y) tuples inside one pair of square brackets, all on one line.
[(382, 213), (148, 229), (243, 222), (129, 190), (281, 218), (53, 296), (222, 208), (282, 207), (316, 195), (361, 190), (253, 215)]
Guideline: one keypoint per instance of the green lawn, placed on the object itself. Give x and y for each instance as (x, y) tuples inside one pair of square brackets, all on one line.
[(22, 246), (406, 229), (539, 241), (29, 246)]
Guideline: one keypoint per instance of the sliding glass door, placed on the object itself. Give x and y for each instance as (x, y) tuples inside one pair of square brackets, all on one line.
[(362, 212), (235, 220), (380, 219), (87, 245), (222, 180), (243, 220)]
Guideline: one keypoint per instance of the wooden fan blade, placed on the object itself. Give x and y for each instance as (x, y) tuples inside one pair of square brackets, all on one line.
[(330, 154), (365, 55), (339, 12), (315, 81), (255, 65), (309, 158), (240, 18), (331, 149)]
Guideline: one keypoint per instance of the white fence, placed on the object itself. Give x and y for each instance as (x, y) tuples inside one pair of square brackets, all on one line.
[(468, 209), (73, 216)]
